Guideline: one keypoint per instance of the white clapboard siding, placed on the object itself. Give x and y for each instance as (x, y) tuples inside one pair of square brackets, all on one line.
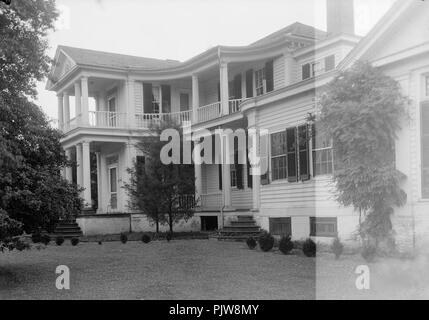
[(279, 72), (138, 96)]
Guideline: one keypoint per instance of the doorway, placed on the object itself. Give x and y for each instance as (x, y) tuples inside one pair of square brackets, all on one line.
[(209, 223)]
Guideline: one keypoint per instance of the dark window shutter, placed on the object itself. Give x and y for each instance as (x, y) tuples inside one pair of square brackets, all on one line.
[(330, 63), (237, 86), (264, 152), (249, 83), (147, 98), (304, 169), (291, 148), (166, 98), (220, 176), (305, 71), (269, 75), (238, 166), (249, 176), (218, 91)]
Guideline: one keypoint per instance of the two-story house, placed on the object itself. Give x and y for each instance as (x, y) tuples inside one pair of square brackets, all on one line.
[(106, 102)]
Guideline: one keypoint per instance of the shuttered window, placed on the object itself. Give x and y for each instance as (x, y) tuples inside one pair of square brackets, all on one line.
[(259, 81), (323, 227), (291, 150), (303, 153), (269, 75), (424, 124), (147, 98), (278, 156), (264, 163), (166, 98), (249, 83), (323, 162)]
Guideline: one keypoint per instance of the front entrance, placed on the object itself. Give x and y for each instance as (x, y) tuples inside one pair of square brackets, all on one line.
[(209, 223)]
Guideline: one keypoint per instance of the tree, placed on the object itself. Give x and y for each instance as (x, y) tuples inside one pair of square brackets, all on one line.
[(33, 194), (362, 110), (158, 190)]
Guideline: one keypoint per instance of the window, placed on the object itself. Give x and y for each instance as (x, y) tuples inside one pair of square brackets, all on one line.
[(424, 124), (306, 71), (113, 187), (330, 63), (278, 156), (323, 163), (291, 150), (112, 111), (280, 226), (303, 153), (233, 173), (323, 227), (184, 101), (259, 81), (156, 99)]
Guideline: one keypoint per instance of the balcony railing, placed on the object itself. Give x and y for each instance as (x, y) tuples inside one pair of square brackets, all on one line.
[(234, 105), (107, 119), (212, 201), (209, 112), (146, 120)]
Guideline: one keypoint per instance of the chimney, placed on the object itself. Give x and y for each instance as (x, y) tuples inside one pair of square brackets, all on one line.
[(340, 17)]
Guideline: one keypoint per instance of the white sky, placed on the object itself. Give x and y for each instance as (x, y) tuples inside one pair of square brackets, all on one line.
[(181, 29)]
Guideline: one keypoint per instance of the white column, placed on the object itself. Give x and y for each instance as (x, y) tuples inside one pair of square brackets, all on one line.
[(69, 176), (131, 108), (226, 174), (77, 99), (195, 98), (198, 171), (254, 145), (99, 182), (243, 85), (66, 111), (60, 112), (104, 188), (86, 174), (79, 174), (224, 90), (128, 161), (85, 115)]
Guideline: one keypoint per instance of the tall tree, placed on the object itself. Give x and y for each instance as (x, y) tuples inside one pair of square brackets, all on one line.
[(33, 194), (362, 109), (164, 193)]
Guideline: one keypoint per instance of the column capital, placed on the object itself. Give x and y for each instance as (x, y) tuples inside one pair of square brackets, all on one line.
[(60, 94)]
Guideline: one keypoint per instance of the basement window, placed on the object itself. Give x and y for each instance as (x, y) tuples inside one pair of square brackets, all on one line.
[(323, 227), (280, 226)]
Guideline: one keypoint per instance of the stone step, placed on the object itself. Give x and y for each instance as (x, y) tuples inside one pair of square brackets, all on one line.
[(67, 231), (243, 223), (66, 236), (241, 229)]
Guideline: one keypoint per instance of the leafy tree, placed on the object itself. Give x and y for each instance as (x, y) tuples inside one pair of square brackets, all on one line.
[(33, 194), (157, 189), (362, 110)]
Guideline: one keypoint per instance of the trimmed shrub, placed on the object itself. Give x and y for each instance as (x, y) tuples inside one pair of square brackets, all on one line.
[(169, 236), (36, 237), (59, 241), (309, 248), (286, 245), (146, 238), (266, 242), (46, 239), (369, 252), (337, 248), (251, 243), (74, 241), (124, 238), (100, 243)]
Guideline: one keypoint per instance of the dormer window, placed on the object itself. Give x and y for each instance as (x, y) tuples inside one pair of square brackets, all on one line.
[(313, 69)]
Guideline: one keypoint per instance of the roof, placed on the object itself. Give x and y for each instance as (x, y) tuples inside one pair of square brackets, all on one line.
[(297, 29), (107, 59)]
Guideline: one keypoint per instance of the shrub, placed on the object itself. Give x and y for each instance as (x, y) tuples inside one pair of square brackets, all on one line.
[(124, 238), (266, 242), (337, 248), (368, 252), (74, 241), (36, 237), (59, 241), (251, 243), (46, 239), (146, 238), (286, 245), (309, 248), (169, 236)]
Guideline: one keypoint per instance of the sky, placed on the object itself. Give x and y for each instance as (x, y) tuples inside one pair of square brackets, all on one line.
[(181, 29)]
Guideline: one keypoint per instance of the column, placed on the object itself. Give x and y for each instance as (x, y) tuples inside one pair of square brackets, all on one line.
[(60, 112), (128, 162), (69, 175), (131, 108), (79, 165), (254, 147), (195, 98), (86, 175), (85, 115), (66, 111), (226, 174), (99, 183), (198, 171), (104, 188), (243, 86), (78, 102), (224, 90)]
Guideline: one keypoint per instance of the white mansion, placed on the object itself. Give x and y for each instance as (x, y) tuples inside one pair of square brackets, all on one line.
[(107, 101)]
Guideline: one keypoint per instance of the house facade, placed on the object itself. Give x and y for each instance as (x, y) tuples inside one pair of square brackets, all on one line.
[(107, 102)]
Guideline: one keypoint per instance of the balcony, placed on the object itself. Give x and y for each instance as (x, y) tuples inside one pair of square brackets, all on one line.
[(109, 119)]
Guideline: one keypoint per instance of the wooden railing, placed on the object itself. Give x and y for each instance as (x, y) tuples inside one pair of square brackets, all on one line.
[(72, 123), (234, 105), (146, 120), (209, 112), (107, 119), (211, 201), (186, 202)]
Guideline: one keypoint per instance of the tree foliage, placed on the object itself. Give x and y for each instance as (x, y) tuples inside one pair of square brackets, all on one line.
[(157, 189), (33, 194), (362, 110)]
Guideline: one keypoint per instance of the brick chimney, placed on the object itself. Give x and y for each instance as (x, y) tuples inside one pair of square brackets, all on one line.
[(340, 17)]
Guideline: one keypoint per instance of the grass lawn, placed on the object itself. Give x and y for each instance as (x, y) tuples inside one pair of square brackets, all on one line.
[(200, 269)]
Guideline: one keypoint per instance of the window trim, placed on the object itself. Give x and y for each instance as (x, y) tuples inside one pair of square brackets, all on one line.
[(263, 84), (286, 220), (314, 151), (326, 221)]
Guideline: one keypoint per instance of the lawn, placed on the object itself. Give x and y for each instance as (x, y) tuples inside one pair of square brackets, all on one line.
[(200, 269)]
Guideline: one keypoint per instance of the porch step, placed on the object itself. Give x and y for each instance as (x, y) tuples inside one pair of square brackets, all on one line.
[(67, 230), (239, 230)]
